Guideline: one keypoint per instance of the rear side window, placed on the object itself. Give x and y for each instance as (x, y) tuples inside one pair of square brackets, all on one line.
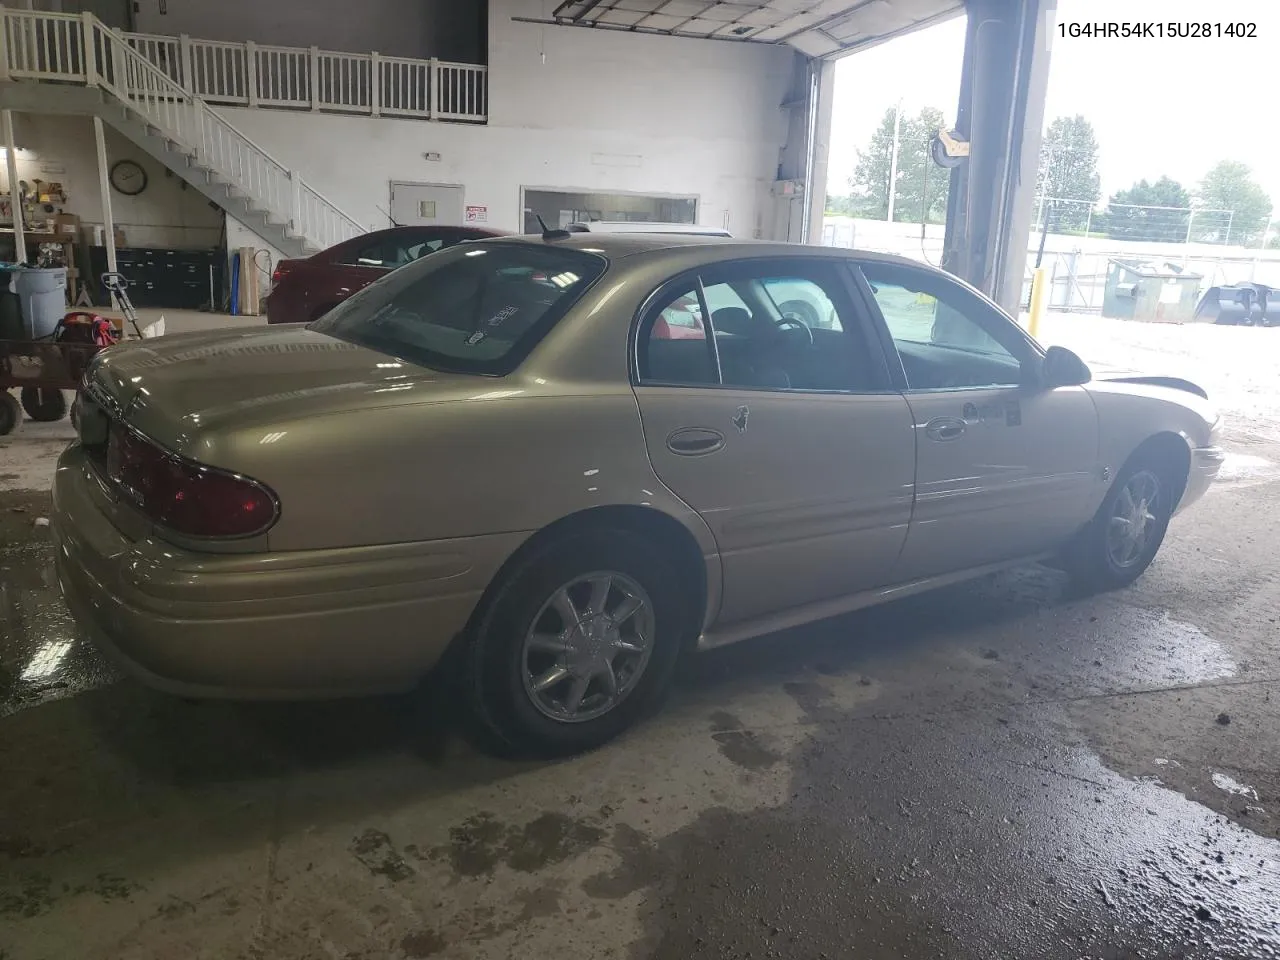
[(389, 252), (473, 308)]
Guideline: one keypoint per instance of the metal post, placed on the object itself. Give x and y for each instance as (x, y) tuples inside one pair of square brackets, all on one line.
[(251, 72), (893, 159), (315, 78), (1088, 222), (1039, 294), (1044, 232), (15, 192), (375, 84), (104, 185), (1231, 216), (1191, 215)]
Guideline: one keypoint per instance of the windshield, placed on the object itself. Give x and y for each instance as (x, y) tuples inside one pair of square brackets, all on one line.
[(474, 308)]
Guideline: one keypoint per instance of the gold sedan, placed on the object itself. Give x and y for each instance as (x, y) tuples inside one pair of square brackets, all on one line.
[(568, 460)]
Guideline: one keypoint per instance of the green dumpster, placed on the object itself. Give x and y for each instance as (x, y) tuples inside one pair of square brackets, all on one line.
[(1151, 290)]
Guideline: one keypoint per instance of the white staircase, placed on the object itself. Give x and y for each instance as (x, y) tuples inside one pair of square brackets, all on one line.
[(71, 63)]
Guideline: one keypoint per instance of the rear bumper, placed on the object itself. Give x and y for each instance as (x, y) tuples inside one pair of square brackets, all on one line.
[(286, 305), (305, 624), (1205, 464)]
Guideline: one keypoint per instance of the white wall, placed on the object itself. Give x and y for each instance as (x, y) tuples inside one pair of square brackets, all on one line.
[(604, 112), (448, 29), (61, 149)]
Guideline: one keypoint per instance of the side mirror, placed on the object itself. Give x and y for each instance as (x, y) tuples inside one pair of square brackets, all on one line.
[(1062, 368)]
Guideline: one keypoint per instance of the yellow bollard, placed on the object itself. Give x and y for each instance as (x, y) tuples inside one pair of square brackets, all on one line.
[(1039, 295)]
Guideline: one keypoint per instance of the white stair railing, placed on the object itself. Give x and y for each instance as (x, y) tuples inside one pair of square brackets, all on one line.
[(255, 75), (81, 49)]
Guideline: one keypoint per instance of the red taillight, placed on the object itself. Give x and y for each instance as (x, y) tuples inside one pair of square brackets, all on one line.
[(280, 272), (186, 497)]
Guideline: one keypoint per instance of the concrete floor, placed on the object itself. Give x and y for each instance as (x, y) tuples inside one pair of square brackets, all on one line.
[(995, 770)]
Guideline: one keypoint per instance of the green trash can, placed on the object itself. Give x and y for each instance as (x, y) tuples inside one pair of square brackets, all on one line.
[(1151, 290)]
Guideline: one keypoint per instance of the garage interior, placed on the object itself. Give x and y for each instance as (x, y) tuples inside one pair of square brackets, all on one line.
[(997, 768)]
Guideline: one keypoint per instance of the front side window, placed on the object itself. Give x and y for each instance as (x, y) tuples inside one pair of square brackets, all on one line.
[(805, 300), (775, 326), (420, 248), (946, 337), (473, 308)]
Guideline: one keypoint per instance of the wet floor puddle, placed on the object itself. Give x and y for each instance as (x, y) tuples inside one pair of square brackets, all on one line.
[(42, 657)]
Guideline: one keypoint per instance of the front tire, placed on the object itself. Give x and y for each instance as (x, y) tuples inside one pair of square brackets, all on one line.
[(578, 643), (1128, 529)]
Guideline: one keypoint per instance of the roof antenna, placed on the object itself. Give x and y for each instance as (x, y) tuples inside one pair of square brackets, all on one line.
[(389, 217), (548, 233)]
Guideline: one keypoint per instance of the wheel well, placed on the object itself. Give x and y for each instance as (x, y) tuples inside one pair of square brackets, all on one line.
[(1170, 451), (666, 532)]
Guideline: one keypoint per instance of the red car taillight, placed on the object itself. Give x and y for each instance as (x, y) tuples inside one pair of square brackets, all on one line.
[(187, 497), (280, 272)]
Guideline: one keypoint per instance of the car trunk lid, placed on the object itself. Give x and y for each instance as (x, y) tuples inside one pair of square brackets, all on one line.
[(175, 388)]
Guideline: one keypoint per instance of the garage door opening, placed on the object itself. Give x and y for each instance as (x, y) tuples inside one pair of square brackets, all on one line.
[(559, 208)]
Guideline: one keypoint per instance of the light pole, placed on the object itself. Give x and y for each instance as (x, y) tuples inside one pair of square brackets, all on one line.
[(893, 159)]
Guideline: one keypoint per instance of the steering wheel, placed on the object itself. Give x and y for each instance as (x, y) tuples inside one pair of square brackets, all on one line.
[(791, 322), (802, 310)]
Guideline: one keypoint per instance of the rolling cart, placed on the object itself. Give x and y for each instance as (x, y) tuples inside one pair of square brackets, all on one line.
[(41, 369)]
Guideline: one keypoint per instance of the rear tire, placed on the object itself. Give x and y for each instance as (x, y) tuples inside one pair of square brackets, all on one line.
[(10, 413), (44, 404), (528, 636), (1124, 536)]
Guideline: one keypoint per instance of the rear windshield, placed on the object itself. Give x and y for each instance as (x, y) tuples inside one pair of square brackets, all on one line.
[(474, 308)]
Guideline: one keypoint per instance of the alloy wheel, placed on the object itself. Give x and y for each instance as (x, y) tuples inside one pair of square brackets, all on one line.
[(588, 646), (1134, 519)]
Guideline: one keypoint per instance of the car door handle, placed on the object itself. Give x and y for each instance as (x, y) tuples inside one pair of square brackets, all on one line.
[(694, 441), (944, 428)]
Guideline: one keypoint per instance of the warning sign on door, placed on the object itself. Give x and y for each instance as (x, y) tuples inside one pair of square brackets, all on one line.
[(477, 214)]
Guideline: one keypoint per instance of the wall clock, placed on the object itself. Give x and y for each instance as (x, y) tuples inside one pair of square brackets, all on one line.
[(128, 177)]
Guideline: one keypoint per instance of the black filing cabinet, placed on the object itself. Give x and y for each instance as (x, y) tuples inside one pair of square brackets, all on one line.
[(172, 279)]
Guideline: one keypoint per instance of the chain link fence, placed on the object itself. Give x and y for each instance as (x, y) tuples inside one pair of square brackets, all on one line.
[(1132, 222), (1081, 241)]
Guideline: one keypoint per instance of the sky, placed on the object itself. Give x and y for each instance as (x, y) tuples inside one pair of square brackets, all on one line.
[(1158, 106)]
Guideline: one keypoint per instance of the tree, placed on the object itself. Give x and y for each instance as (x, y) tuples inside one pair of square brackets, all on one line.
[(1149, 211), (1069, 171), (1230, 186), (840, 206), (920, 188)]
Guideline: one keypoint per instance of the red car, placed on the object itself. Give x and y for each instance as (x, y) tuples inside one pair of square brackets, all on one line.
[(302, 290)]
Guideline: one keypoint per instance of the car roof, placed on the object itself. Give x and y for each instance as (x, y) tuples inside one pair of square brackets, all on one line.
[(616, 246), (645, 226), (445, 230)]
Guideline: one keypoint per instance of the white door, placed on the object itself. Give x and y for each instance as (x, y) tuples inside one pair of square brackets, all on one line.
[(426, 204)]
